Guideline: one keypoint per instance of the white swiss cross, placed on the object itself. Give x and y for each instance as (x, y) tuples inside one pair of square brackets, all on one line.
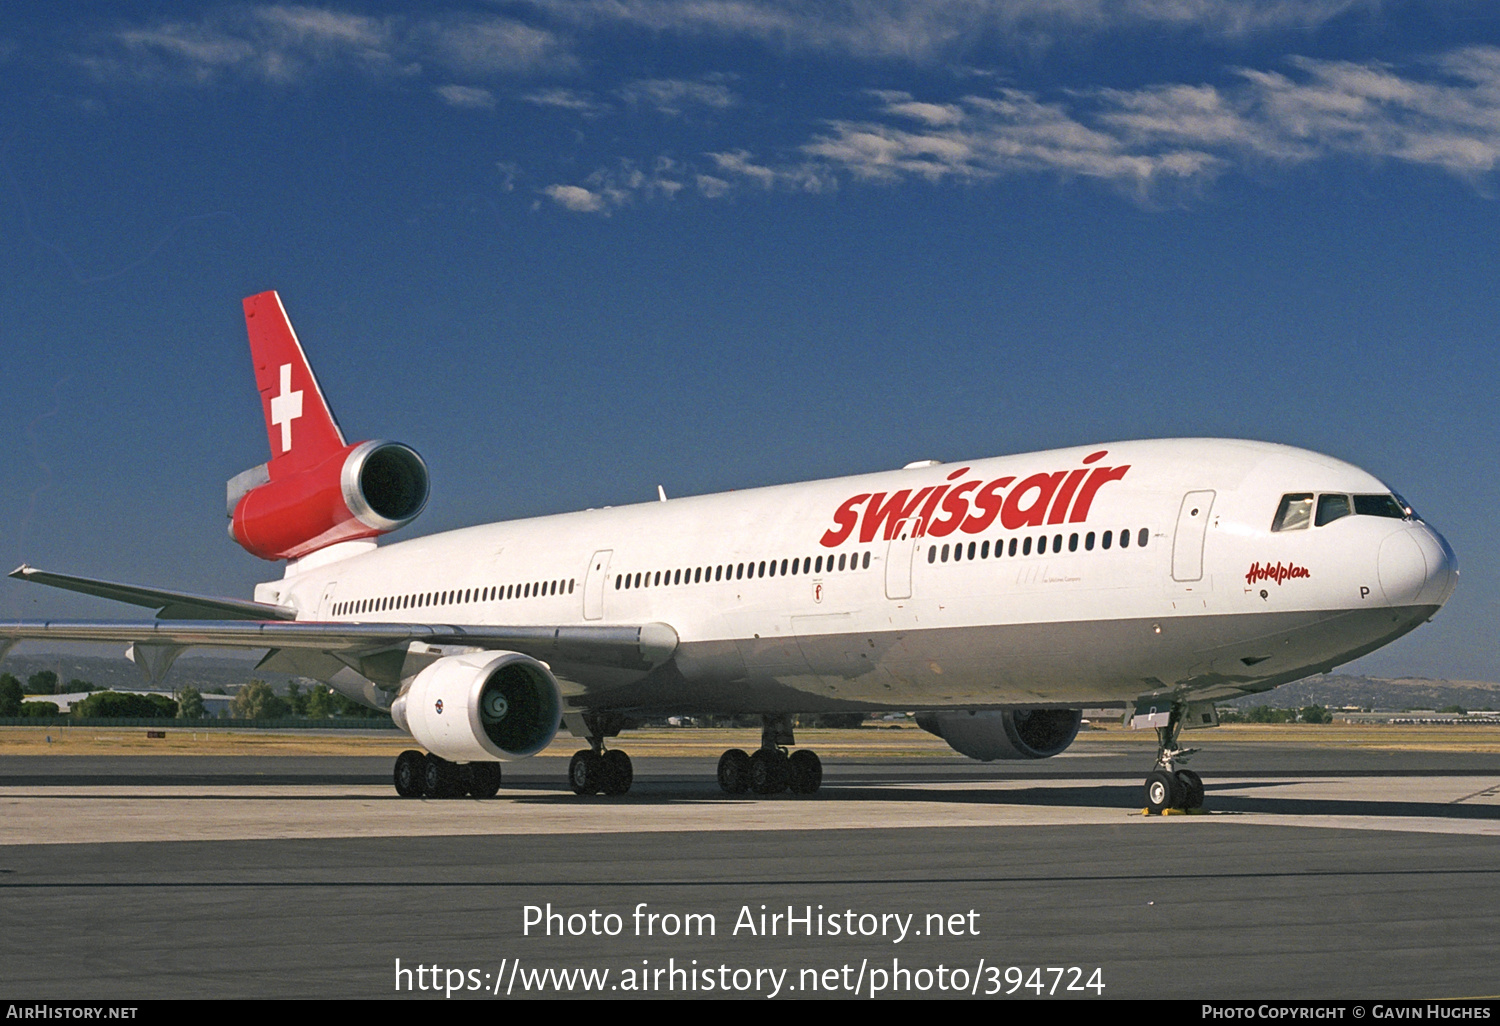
[(286, 407)]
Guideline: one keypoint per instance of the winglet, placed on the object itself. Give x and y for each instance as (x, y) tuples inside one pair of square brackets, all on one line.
[(300, 427)]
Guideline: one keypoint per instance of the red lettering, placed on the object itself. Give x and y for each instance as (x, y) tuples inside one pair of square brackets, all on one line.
[(1097, 479), (1065, 496), (1277, 573), (845, 518), (892, 512), (932, 502), (956, 506), (1013, 515), (988, 502)]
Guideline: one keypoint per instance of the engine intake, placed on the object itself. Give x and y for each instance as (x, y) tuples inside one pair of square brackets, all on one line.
[(361, 491), (481, 706), (1005, 733)]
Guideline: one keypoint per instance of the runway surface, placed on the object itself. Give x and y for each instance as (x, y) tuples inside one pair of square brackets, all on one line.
[(1316, 873)]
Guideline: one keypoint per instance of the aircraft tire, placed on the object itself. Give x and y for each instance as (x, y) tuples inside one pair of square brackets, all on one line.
[(1163, 792), (441, 778), (484, 779), (804, 772), (734, 772), (411, 767), (1192, 789), (618, 772), (768, 771), (585, 772)]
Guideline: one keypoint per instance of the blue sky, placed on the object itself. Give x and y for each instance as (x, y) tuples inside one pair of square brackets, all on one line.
[(571, 250)]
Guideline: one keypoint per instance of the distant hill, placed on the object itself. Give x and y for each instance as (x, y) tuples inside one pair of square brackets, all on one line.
[(1338, 689)]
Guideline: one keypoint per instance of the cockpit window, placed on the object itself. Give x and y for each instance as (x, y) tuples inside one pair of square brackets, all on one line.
[(1294, 513), (1380, 506), (1331, 508)]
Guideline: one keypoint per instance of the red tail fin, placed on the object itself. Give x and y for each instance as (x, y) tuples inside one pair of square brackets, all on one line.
[(299, 425)]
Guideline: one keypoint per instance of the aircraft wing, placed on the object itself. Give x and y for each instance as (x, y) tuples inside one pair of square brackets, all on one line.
[(638, 647), (169, 605)]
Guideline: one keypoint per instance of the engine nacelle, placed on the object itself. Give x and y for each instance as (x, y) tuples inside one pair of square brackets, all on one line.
[(1004, 733), (481, 707), (360, 491)]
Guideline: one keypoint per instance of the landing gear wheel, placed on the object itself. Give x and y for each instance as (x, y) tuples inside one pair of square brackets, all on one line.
[(586, 772), (618, 773), (734, 772), (1163, 792), (411, 767), (441, 778), (768, 771), (484, 779), (1192, 789), (804, 772)]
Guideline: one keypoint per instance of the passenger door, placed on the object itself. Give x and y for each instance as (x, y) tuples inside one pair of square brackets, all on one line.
[(593, 585), (1187, 541), (898, 556)]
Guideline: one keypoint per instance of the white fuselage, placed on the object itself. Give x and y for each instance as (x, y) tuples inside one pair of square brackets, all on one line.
[(999, 582)]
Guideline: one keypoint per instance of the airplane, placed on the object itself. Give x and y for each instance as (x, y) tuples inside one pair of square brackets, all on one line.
[(995, 598)]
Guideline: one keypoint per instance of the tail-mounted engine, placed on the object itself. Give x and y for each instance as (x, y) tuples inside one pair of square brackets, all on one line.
[(481, 707), (1005, 733), (360, 491)]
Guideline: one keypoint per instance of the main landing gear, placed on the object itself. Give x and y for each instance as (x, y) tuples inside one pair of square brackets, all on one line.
[(421, 775), (595, 771), (1170, 786), (771, 770)]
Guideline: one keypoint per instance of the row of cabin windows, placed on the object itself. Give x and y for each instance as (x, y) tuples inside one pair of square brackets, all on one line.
[(496, 593), (740, 571), (1024, 546)]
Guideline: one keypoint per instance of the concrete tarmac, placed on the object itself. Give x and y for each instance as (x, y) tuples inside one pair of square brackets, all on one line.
[(1316, 873)]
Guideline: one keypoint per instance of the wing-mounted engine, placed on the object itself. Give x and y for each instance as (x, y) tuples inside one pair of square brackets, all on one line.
[(1006, 733), (482, 707), (360, 491)]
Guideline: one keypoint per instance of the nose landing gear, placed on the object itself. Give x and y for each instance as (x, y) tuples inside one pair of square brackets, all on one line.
[(1170, 787)]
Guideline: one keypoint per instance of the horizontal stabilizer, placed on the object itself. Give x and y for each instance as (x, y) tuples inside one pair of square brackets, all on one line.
[(169, 605)]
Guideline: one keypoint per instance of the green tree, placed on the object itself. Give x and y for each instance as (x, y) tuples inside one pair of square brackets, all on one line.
[(42, 682), (296, 701), (256, 701), (190, 704), (75, 685), (343, 706), (1315, 714), (11, 695), (45, 710), (114, 705), (319, 702)]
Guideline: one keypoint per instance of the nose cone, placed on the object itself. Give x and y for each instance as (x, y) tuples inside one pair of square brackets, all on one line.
[(1417, 567)]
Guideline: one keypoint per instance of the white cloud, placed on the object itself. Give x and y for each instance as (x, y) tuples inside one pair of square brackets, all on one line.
[(466, 96), (568, 99), (939, 30), (281, 43), (577, 199), (494, 46), (671, 96), (1445, 115)]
